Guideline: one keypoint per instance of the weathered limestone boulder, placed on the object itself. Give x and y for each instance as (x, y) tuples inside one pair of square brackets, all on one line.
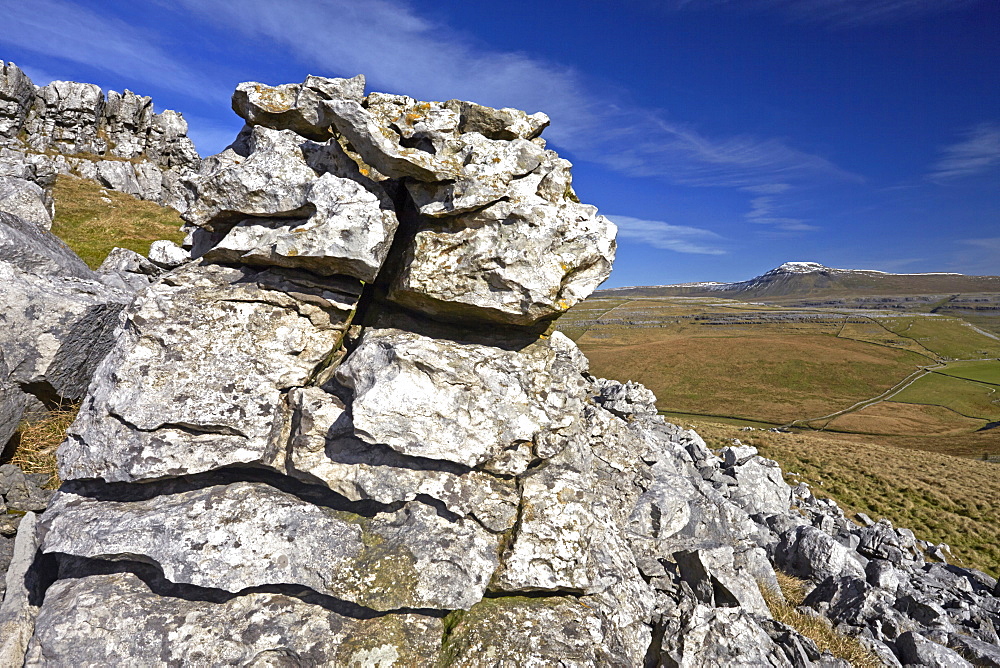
[(56, 318), (32, 249), (127, 270), (18, 610), (324, 450), (510, 631), (296, 107), (272, 179), (167, 255), (514, 263), (349, 233), (705, 637), (26, 200), (462, 403), (810, 553), (12, 404), (118, 619), (247, 342), (251, 534)]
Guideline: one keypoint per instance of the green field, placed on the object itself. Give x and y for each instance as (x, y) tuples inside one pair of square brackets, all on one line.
[(948, 337), (969, 398), (757, 363), (981, 371)]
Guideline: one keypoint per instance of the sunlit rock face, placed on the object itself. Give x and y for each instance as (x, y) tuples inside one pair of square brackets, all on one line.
[(116, 139), (337, 429)]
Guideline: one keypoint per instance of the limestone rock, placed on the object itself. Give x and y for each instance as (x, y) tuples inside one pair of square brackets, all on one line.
[(118, 176), (492, 123), (487, 172), (247, 342), (296, 107), (12, 404), (251, 534), (167, 255), (126, 269), (117, 619), (26, 200), (272, 180), (18, 611), (380, 147), (16, 95), (55, 330), (513, 263), (323, 449), (33, 249), (810, 553), (349, 233), (521, 631), (709, 637), (919, 651), (71, 128), (760, 487), (567, 538), (625, 399), (464, 403), (66, 117)]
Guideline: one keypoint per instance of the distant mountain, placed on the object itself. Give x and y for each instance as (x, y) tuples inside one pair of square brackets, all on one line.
[(799, 280)]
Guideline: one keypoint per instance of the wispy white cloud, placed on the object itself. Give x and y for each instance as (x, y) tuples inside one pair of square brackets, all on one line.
[(977, 152), (63, 29), (679, 238), (766, 209), (833, 12), (402, 52)]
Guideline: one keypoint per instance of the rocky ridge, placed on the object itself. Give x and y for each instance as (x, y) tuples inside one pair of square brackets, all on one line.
[(339, 430), (73, 128)]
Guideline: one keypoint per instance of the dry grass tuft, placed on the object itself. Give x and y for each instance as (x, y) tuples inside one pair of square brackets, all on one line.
[(817, 630), (92, 226), (33, 447)]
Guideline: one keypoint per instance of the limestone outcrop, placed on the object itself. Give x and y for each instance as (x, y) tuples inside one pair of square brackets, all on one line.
[(57, 320), (338, 429), (73, 128)]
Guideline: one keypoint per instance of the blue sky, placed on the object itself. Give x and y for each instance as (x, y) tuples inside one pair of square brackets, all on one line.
[(723, 136)]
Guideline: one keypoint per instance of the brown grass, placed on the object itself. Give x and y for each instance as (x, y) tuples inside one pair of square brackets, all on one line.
[(941, 498), (92, 226), (826, 639), (767, 374), (33, 447), (893, 418)]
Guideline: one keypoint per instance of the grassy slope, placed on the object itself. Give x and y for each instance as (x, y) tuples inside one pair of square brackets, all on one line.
[(92, 226), (767, 374), (942, 498), (727, 358)]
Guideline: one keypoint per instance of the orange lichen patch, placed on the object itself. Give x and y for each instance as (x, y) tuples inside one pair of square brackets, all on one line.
[(274, 100)]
